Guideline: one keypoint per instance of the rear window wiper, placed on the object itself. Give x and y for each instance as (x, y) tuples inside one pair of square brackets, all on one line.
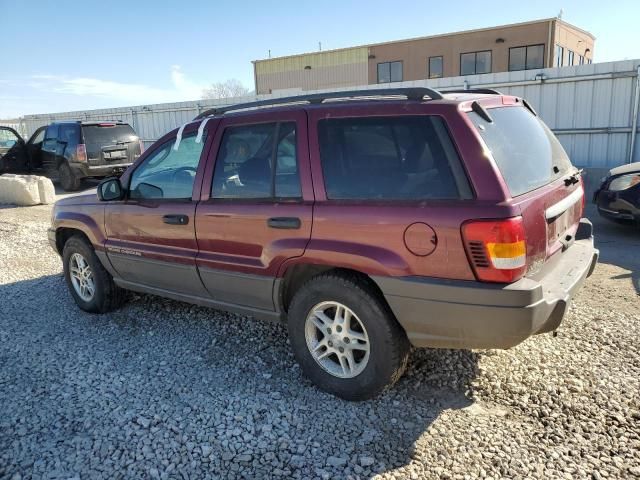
[(573, 179)]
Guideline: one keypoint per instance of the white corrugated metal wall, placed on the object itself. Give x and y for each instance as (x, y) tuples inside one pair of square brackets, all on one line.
[(589, 107)]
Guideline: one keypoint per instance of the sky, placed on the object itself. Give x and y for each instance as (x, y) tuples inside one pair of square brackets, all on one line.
[(68, 55)]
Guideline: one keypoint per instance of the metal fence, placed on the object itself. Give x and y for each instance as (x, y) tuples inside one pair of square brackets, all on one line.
[(592, 108)]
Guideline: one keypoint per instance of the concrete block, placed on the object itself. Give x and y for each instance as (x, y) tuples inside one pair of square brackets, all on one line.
[(25, 190), (46, 190)]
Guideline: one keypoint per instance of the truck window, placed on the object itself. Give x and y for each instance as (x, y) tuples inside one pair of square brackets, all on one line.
[(390, 158), (526, 152)]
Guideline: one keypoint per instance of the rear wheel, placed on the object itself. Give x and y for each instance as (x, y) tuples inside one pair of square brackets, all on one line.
[(68, 180), (91, 286), (345, 338)]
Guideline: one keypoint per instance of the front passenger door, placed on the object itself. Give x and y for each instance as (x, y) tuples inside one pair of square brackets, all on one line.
[(151, 239)]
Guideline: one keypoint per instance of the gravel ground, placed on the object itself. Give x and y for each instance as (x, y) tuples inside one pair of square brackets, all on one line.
[(161, 389)]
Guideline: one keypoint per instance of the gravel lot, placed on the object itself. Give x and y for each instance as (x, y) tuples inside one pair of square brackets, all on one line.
[(161, 389)]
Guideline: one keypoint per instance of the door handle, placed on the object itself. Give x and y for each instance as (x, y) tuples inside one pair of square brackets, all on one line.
[(176, 219), (284, 222)]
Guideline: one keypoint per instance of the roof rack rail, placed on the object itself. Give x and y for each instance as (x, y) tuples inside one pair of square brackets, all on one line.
[(412, 93), (490, 91)]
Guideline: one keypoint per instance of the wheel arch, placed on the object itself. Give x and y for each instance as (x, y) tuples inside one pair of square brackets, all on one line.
[(296, 275), (63, 234)]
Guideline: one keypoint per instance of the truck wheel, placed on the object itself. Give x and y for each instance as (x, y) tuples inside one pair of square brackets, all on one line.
[(91, 286), (68, 180), (345, 337)]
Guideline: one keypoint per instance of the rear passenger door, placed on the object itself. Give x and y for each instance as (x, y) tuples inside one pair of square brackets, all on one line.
[(50, 147), (256, 207)]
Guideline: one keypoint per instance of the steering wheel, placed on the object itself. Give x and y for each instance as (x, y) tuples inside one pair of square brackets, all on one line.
[(190, 171)]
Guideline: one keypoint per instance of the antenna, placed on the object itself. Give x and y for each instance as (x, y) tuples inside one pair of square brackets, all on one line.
[(269, 53), (560, 13), (319, 46)]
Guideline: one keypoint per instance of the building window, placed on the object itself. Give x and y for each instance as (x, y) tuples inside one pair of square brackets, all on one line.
[(588, 61), (559, 56), (580, 60), (569, 58), (526, 58), (435, 67), (475, 62), (390, 72)]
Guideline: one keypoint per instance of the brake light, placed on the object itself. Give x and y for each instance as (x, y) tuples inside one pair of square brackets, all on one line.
[(496, 248), (81, 152)]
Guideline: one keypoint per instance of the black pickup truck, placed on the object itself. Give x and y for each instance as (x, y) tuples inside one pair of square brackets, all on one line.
[(71, 151)]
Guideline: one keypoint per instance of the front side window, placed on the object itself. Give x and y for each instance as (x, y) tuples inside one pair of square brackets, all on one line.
[(526, 58), (38, 138), (168, 173), (475, 63), (390, 158), (390, 72), (7, 138), (246, 159), (435, 67)]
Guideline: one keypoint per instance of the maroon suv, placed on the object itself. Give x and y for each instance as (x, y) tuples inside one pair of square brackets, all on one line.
[(370, 221)]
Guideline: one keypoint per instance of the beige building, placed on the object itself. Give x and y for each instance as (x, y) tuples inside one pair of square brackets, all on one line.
[(521, 46)]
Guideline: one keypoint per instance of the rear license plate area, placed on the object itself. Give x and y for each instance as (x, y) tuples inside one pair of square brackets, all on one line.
[(558, 227), (115, 155)]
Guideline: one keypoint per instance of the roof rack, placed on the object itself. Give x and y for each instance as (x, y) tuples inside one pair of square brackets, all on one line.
[(490, 91), (413, 93)]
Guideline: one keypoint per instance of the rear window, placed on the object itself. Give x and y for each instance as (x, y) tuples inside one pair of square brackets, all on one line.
[(390, 158), (108, 134), (527, 153)]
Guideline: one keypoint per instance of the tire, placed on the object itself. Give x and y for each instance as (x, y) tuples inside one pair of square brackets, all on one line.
[(378, 368), (106, 296), (68, 180)]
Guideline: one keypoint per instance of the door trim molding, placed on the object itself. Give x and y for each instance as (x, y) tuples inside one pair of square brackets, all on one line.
[(205, 302)]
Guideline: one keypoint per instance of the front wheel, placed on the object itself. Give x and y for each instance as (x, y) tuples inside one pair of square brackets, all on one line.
[(345, 338), (91, 286)]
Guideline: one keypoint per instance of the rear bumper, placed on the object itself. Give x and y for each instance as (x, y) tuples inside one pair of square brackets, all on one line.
[(86, 170), (467, 314)]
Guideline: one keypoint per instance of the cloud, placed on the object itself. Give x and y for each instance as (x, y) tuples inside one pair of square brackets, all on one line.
[(119, 92)]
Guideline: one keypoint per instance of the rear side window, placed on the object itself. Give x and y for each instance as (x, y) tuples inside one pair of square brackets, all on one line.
[(527, 153), (108, 134), (249, 165), (69, 134), (52, 132), (390, 158)]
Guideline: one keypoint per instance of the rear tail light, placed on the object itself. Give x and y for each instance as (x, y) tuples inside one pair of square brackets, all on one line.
[(496, 248), (583, 195), (141, 143), (81, 152)]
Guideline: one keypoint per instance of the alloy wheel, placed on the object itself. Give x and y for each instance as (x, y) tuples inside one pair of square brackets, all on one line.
[(337, 339), (81, 277)]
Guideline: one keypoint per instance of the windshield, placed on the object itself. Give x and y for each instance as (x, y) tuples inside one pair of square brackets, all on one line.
[(527, 153), (108, 134)]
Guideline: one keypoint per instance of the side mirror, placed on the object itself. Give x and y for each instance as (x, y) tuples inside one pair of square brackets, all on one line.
[(110, 189)]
